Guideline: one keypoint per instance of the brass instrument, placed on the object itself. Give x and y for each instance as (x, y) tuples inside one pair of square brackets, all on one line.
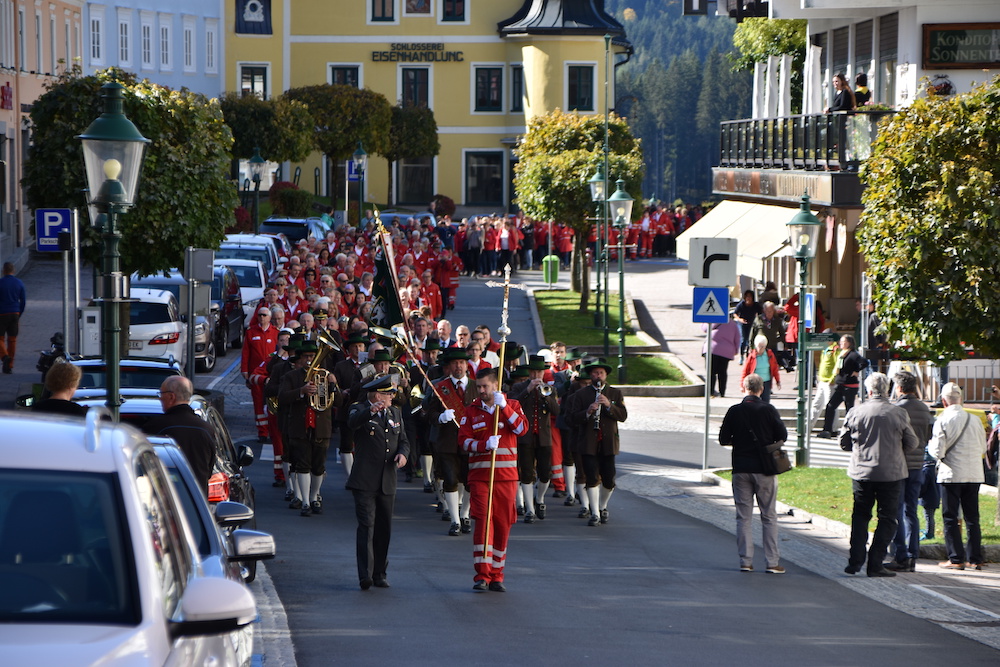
[(545, 389), (597, 413), (322, 400)]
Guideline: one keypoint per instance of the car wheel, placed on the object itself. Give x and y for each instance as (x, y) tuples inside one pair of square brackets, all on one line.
[(222, 345), (207, 363), (238, 343)]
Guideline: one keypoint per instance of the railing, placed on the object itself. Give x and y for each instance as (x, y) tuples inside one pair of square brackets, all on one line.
[(819, 142)]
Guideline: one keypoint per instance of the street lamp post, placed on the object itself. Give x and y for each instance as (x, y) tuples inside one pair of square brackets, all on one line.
[(607, 170), (621, 204), (598, 190), (360, 165), (112, 153), (803, 234), (257, 167)]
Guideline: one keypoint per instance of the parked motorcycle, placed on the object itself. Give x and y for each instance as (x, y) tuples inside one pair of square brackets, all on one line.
[(48, 357)]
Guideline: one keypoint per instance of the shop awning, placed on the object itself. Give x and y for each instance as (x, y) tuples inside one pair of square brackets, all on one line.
[(760, 231)]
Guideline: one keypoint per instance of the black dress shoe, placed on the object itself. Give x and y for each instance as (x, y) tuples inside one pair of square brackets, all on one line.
[(366, 584), (570, 501), (466, 526), (480, 586), (907, 565), (278, 484), (881, 572), (852, 569), (428, 488), (317, 507), (454, 530), (380, 582), (559, 494), (498, 587), (540, 510)]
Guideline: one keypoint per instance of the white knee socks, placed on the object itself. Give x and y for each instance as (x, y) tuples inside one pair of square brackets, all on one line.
[(465, 503), (581, 492), (605, 496), (528, 491), (317, 482), (348, 461), (451, 502), (594, 495), (540, 492), (427, 463), (302, 480)]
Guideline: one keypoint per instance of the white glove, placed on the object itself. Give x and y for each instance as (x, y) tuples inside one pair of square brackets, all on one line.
[(446, 416), (492, 442), (499, 399)]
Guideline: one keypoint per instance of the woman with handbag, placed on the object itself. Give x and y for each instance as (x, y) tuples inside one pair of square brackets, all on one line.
[(751, 428)]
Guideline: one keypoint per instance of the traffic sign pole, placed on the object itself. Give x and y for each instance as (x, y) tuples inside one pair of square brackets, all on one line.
[(708, 393)]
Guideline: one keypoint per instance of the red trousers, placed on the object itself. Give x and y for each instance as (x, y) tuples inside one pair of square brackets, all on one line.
[(558, 481), (504, 516), (260, 414), (278, 445)]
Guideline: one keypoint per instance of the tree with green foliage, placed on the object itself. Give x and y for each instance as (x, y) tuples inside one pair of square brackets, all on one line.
[(931, 222), (184, 198), (343, 116), (280, 127), (556, 158), (758, 38), (413, 134)]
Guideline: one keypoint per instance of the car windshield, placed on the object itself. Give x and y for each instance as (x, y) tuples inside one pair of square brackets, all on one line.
[(294, 230), (142, 378), (73, 567), (173, 288), (246, 252), (247, 276), (141, 312)]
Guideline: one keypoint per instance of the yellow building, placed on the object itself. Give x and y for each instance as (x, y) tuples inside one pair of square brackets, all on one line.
[(484, 68)]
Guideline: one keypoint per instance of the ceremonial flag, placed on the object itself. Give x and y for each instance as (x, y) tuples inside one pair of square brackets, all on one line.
[(387, 311)]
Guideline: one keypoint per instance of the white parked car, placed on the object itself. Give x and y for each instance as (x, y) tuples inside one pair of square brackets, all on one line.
[(251, 246), (252, 278), (155, 326), (98, 564)]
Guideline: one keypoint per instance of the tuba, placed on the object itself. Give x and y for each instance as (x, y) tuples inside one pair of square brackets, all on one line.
[(322, 400)]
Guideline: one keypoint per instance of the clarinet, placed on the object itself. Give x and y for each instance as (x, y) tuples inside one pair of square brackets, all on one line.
[(597, 413)]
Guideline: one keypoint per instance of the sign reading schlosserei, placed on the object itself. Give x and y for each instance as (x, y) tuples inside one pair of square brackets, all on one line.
[(961, 45)]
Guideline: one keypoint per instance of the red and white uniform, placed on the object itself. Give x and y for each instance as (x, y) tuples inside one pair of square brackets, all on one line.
[(257, 349), (474, 366), (475, 428), (430, 295)]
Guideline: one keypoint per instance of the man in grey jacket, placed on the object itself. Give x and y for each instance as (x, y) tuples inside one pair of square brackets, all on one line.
[(958, 443), (878, 435), (907, 540)]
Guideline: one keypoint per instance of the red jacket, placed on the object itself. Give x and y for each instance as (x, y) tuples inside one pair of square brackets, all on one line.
[(751, 365), (430, 295), (491, 239), (258, 346), (446, 272), (565, 239), (476, 426)]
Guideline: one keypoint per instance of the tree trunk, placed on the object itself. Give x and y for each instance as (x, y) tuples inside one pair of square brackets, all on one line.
[(388, 199), (580, 277)]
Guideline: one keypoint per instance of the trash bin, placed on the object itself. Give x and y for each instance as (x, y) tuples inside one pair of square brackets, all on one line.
[(550, 268)]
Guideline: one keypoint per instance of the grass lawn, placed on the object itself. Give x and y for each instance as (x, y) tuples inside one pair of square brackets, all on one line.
[(648, 371), (559, 311), (827, 492)]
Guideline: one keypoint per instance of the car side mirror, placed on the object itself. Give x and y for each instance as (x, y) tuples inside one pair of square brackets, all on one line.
[(213, 605), (24, 402), (229, 514), (252, 545), (246, 456)]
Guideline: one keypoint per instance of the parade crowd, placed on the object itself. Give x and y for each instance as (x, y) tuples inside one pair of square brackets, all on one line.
[(426, 398)]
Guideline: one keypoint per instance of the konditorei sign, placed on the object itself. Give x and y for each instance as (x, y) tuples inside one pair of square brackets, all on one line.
[(416, 52), (961, 45)]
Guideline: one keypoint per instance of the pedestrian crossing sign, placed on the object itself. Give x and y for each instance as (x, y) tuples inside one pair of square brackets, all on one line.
[(711, 305)]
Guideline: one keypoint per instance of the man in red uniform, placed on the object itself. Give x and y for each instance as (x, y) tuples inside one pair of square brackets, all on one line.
[(476, 437), (430, 294), (261, 341)]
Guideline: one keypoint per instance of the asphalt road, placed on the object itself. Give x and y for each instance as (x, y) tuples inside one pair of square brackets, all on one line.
[(651, 587)]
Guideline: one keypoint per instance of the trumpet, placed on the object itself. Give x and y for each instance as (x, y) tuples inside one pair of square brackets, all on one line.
[(597, 413), (545, 389)]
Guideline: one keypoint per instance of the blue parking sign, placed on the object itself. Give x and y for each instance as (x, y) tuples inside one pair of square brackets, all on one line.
[(49, 223)]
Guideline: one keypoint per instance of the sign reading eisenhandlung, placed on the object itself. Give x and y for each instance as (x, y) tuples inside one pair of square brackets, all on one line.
[(961, 45)]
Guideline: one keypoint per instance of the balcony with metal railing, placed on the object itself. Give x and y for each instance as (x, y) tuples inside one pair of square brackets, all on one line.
[(837, 141)]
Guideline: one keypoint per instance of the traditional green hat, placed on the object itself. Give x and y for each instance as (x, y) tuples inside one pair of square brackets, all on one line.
[(536, 362), (453, 354), (520, 372), (595, 364), (381, 355)]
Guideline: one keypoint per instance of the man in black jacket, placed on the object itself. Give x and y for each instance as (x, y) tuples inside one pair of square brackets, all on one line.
[(749, 427), (380, 449), (195, 436)]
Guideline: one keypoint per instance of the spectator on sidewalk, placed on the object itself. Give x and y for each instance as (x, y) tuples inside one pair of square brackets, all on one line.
[(907, 540), (725, 343), (846, 384), (826, 374), (61, 383), (746, 312), (958, 443), (761, 361), (878, 435), (13, 298), (748, 428)]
